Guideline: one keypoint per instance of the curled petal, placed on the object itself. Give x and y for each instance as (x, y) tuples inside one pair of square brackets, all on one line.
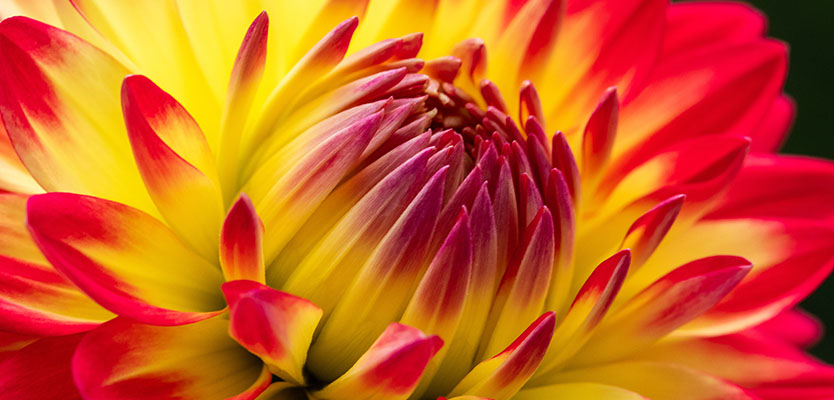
[(276, 326), (175, 162)]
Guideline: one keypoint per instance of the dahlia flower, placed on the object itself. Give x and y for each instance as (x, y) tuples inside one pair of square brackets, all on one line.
[(348, 199)]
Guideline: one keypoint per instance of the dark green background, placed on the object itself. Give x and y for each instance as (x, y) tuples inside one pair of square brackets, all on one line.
[(808, 27)]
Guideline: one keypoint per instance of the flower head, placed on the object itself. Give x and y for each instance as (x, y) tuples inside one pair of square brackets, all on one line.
[(502, 199)]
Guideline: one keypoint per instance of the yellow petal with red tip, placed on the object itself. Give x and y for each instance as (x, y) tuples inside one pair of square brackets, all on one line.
[(600, 133), (294, 196), (276, 326), (503, 375), (438, 302), (646, 233), (668, 381), (331, 14), (389, 370), (578, 391), (437, 306), (243, 87), (480, 293), (241, 243), (175, 162), (315, 63), (67, 142), (589, 307), (672, 301), (325, 272), (523, 290), (127, 360), (126, 260), (558, 199), (381, 291)]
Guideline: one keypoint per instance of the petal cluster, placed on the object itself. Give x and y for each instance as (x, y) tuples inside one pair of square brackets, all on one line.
[(449, 199)]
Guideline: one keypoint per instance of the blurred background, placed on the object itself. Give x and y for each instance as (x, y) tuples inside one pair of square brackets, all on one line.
[(808, 27)]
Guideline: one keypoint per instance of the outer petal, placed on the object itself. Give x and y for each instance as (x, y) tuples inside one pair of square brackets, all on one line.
[(276, 326), (673, 300), (776, 287), (695, 25), (163, 50), (13, 175), (704, 92), (129, 360), (658, 381), (63, 120), (10, 342), (175, 162), (503, 375), (40, 370), (747, 358), (578, 391), (390, 369), (780, 187), (793, 326), (34, 298), (602, 43), (124, 259)]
